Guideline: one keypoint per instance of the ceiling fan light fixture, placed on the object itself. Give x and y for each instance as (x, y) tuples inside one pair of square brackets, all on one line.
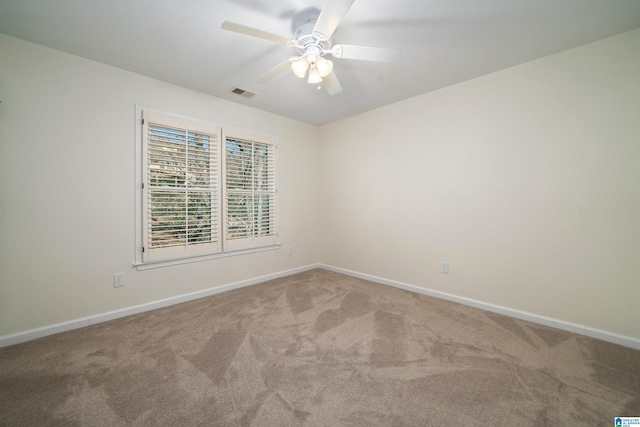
[(314, 76), (312, 31), (300, 67), (324, 66)]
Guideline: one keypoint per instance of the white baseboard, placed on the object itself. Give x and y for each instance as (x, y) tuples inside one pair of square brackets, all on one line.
[(44, 331), (543, 320), (33, 334)]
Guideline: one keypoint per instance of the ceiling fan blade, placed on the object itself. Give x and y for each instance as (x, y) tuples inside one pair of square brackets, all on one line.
[(254, 32), (332, 84), (366, 53), (284, 65), (330, 18)]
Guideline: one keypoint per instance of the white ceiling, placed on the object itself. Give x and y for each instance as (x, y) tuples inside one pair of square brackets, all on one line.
[(443, 41)]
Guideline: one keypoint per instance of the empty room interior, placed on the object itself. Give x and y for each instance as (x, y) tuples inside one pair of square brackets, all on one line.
[(319, 212)]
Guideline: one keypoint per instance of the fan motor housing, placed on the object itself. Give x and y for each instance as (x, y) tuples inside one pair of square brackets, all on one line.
[(304, 21), (308, 39)]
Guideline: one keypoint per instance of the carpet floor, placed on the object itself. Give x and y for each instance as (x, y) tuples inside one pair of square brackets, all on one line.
[(318, 349)]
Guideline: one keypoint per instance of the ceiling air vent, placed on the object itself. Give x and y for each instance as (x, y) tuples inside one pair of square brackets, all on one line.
[(243, 92)]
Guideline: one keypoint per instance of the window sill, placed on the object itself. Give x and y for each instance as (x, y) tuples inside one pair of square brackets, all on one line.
[(167, 263)]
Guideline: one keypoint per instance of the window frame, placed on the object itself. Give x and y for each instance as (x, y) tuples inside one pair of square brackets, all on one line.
[(224, 247)]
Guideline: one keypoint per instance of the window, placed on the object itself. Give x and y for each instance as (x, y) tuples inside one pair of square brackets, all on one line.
[(250, 191), (204, 191)]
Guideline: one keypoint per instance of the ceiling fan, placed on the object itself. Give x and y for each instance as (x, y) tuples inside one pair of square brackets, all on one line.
[(312, 31)]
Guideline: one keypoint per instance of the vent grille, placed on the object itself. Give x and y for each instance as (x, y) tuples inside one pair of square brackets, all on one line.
[(243, 92)]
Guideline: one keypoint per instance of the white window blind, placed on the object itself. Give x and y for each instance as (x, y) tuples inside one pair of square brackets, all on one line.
[(250, 191), (204, 191), (181, 183)]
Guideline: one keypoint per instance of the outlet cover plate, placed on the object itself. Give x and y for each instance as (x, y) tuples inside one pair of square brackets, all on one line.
[(444, 267), (118, 280)]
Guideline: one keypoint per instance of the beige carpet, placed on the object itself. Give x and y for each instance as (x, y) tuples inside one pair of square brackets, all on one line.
[(318, 349)]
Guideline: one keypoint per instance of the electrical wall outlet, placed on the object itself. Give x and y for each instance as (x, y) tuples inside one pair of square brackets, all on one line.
[(444, 267), (118, 280), (290, 250)]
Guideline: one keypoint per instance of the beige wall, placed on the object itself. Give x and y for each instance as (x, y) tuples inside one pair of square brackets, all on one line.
[(527, 181), (67, 194)]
